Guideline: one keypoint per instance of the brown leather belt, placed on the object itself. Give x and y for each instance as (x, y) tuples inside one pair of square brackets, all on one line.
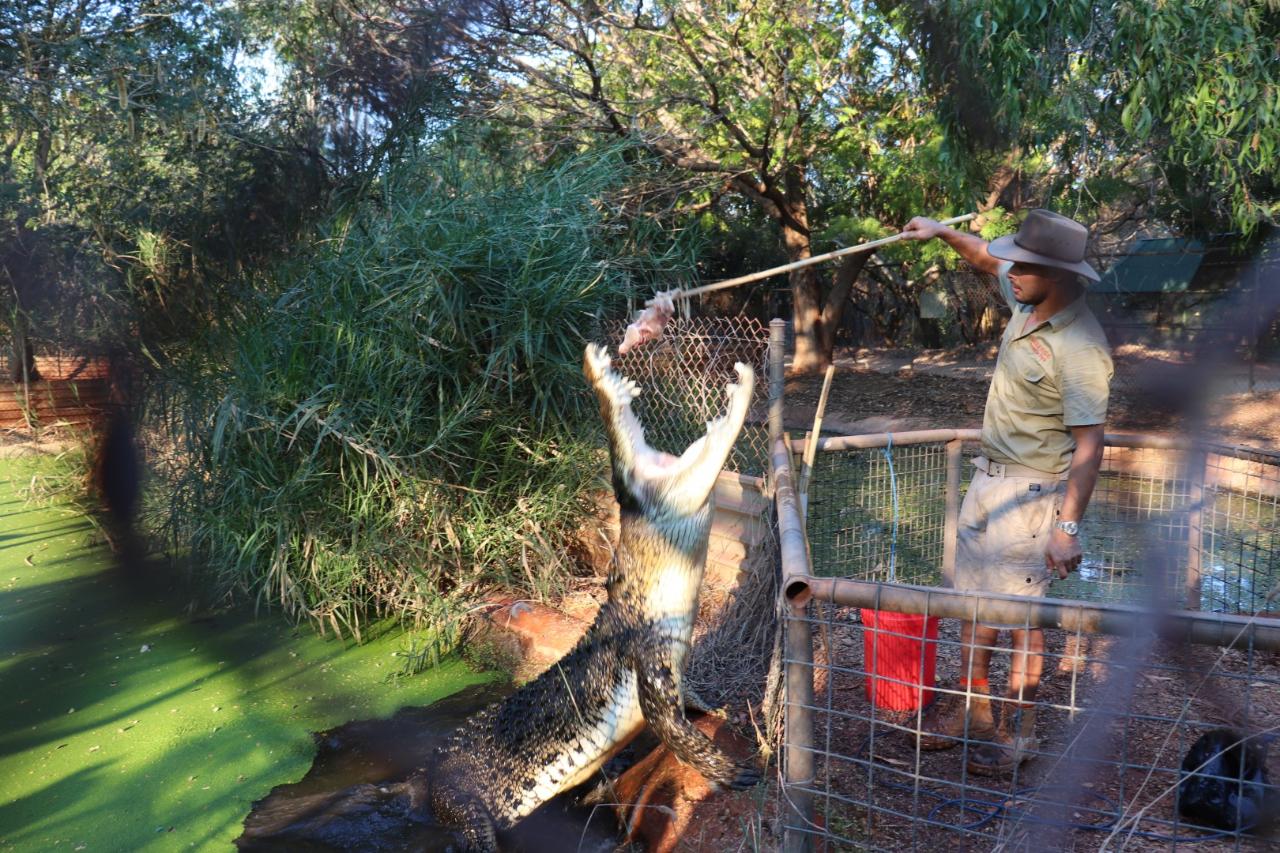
[(1002, 469)]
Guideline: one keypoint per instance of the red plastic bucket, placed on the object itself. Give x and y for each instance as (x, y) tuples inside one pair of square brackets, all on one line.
[(900, 660)]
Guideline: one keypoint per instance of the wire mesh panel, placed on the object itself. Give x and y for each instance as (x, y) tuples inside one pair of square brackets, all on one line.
[(1140, 502), (1122, 737), (879, 514), (683, 375), (855, 528), (1238, 553), (1122, 740)]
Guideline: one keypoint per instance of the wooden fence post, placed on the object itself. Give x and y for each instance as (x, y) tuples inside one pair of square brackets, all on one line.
[(1197, 460), (951, 525)]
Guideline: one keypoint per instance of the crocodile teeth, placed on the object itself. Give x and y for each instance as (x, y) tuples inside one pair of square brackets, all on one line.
[(624, 389), (599, 357)]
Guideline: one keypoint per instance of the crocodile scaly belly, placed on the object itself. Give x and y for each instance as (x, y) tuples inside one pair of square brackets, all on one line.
[(596, 738)]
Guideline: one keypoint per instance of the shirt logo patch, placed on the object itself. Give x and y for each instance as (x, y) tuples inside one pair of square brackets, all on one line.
[(1042, 352)]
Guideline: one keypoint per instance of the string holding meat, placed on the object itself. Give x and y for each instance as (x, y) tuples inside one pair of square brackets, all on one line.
[(651, 321)]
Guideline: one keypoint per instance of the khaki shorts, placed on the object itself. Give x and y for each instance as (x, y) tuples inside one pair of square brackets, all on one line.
[(1004, 527)]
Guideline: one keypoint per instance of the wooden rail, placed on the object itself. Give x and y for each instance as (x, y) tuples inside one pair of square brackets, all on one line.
[(72, 391)]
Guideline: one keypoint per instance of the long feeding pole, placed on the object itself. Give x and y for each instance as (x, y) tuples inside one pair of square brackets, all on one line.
[(816, 259)]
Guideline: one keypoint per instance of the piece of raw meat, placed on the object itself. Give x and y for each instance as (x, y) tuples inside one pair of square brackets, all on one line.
[(649, 324)]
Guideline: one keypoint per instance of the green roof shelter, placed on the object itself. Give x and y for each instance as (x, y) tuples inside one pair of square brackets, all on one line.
[(1162, 265)]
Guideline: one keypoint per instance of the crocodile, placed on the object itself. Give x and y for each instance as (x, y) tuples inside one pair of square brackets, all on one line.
[(558, 730)]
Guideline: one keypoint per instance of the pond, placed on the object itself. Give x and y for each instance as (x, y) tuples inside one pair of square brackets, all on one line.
[(133, 725)]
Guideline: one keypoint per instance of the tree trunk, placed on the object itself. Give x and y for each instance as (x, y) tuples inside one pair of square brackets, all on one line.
[(847, 273), (1004, 186), (18, 265), (22, 359), (806, 305), (806, 294)]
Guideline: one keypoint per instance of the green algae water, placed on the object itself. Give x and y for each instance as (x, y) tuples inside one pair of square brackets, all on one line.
[(126, 725)]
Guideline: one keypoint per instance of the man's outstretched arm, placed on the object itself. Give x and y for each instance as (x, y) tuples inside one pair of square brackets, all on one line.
[(970, 247)]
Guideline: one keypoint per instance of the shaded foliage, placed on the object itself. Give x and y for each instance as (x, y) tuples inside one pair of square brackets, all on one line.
[(1181, 97), (137, 172), (398, 419)]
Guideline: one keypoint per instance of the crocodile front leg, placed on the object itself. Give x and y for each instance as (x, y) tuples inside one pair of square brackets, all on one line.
[(664, 712), (694, 702)]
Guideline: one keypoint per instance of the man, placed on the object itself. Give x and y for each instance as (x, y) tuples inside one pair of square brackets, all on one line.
[(1042, 443)]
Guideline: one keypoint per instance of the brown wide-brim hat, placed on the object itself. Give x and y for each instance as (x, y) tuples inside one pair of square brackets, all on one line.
[(1049, 239)]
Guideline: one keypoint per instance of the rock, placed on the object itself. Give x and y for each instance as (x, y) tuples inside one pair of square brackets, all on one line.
[(529, 635), (668, 805)]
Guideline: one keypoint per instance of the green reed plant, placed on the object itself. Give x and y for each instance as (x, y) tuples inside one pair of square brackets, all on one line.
[(397, 422)]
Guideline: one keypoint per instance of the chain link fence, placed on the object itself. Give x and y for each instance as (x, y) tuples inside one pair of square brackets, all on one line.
[(683, 375)]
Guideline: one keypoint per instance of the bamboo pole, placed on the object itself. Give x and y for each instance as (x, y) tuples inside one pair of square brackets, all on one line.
[(777, 375), (870, 441), (951, 524), (816, 259), (867, 441), (1196, 463), (797, 755)]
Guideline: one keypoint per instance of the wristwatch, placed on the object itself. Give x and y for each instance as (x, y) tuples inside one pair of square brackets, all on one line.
[(1071, 528)]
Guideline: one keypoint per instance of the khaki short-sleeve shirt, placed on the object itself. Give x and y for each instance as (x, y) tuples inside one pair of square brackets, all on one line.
[(1048, 378)]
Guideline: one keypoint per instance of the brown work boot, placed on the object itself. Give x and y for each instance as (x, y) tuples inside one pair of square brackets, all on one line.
[(954, 716), (1014, 743)]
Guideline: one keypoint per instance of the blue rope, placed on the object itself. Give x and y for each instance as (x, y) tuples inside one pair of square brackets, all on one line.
[(893, 486)]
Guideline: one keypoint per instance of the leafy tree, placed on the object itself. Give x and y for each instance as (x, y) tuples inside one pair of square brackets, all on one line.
[(1180, 100), (135, 172), (801, 110), (360, 81)]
